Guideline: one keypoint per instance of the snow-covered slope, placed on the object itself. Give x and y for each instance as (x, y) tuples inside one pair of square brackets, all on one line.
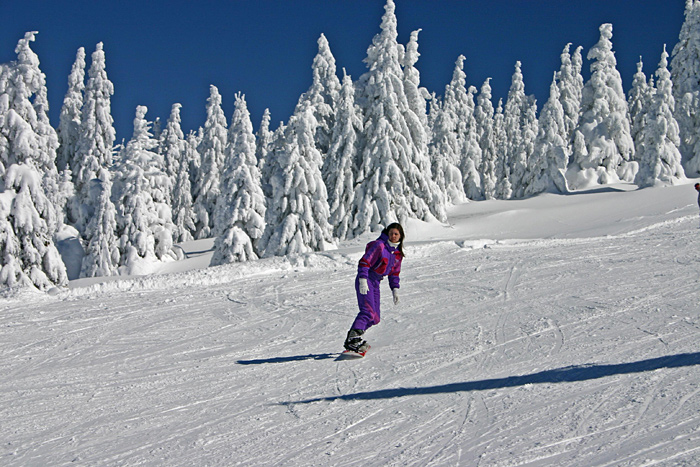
[(557, 330)]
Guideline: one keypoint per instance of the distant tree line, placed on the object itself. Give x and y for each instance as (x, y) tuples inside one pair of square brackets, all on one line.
[(354, 155)]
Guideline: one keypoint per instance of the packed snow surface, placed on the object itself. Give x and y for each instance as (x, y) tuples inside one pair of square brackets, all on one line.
[(556, 330)]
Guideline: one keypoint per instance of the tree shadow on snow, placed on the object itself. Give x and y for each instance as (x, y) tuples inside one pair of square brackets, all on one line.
[(296, 358), (602, 189), (559, 375)]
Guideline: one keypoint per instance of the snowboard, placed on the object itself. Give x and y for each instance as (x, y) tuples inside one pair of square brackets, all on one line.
[(352, 355)]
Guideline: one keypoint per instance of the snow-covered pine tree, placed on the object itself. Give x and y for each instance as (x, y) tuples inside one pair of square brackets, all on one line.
[(297, 212), (31, 81), (444, 156), (95, 139), (434, 104), (484, 117), (31, 210), (277, 143), (604, 122), (570, 83), (144, 221), (504, 189), (467, 135), (638, 103), (172, 146), (240, 210), (194, 158), (416, 96), (174, 149), (547, 166), (685, 69), (182, 208), (212, 152), (520, 124), (323, 94), (27, 225), (263, 139), (417, 122), (395, 182), (530, 131), (102, 246), (660, 161), (340, 165), (71, 113), (513, 157), (450, 133), (471, 159)]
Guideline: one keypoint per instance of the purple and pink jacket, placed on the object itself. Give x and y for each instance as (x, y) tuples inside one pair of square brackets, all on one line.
[(380, 260)]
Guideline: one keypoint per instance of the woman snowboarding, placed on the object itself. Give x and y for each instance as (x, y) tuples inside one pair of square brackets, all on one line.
[(382, 258)]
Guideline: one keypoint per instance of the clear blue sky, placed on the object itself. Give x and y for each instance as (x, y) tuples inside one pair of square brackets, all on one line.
[(161, 52)]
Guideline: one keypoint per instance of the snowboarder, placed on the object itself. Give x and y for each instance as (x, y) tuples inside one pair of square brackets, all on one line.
[(382, 258)]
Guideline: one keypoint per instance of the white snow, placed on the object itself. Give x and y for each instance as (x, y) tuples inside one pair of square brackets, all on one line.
[(555, 330)]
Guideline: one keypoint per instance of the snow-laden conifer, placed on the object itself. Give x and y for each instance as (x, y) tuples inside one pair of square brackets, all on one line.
[(604, 121), (484, 118), (467, 132), (546, 169), (660, 160), (268, 167), (454, 143), (71, 113), (144, 220), (212, 152), (570, 83), (638, 102), (95, 139), (513, 156), (240, 210), (395, 182), (28, 99), (182, 208), (417, 124), (685, 69), (416, 96), (102, 247), (172, 146), (297, 211), (263, 139), (194, 158), (29, 185), (520, 125), (176, 155), (504, 188), (444, 156), (323, 94), (340, 165), (32, 105), (27, 225)]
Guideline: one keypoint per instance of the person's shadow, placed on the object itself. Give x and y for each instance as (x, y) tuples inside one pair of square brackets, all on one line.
[(298, 358), (558, 375)]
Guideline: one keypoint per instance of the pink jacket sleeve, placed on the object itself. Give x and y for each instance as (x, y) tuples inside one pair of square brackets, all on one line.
[(372, 253)]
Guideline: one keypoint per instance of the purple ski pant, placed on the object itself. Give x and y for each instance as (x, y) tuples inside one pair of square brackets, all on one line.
[(369, 314)]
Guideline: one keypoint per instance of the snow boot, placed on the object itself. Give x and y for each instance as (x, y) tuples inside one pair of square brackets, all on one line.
[(354, 341)]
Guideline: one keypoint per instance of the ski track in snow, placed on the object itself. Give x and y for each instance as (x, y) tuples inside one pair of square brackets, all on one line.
[(574, 352)]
